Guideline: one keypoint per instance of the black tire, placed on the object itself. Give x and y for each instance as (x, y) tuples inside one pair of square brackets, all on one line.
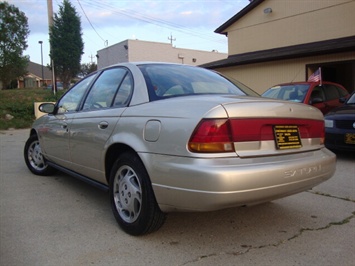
[(34, 158), (132, 198)]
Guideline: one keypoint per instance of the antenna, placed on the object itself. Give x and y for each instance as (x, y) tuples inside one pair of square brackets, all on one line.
[(171, 39), (297, 74)]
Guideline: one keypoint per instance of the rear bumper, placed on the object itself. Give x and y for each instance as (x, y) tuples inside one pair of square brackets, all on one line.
[(190, 184)]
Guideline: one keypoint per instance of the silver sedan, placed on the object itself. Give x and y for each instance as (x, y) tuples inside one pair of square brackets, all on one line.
[(167, 137)]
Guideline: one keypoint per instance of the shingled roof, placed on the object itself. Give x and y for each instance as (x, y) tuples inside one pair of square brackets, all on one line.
[(36, 69), (253, 3)]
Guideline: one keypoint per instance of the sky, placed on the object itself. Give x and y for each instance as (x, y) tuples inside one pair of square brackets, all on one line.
[(189, 23)]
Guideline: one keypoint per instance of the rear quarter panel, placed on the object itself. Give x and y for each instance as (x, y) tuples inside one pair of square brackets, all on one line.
[(165, 126)]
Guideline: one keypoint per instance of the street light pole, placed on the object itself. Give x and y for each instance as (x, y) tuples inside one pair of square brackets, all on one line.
[(50, 23), (40, 42)]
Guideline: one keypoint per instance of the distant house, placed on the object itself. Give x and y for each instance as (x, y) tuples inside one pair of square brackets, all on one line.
[(136, 50), (34, 78)]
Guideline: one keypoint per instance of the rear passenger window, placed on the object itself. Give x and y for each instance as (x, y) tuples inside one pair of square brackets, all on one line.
[(331, 92), (104, 89)]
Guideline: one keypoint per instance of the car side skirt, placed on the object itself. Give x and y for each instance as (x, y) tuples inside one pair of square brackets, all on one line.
[(79, 176)]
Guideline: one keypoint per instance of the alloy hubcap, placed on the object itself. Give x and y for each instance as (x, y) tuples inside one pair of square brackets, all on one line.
[(35, 156), (127, 194)]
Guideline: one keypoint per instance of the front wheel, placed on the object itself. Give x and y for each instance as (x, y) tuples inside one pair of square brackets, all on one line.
[(34, 158), (132, 198)]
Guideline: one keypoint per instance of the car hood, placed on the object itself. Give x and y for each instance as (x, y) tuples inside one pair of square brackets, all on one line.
[(348, 109)]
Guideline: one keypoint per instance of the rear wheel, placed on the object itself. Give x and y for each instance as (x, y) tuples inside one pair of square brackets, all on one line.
[(34, 158), (132, 198)]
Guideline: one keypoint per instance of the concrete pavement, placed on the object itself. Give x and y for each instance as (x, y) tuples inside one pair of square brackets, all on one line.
[(59, 220)]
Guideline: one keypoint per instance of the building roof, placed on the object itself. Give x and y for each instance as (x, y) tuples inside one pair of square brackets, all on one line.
[(253, 3), (36, 69), (345, 44)]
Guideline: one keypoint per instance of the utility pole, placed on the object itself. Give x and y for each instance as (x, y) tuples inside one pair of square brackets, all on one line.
[(50, 24), (171, 39), (40, 42), (91, 57)]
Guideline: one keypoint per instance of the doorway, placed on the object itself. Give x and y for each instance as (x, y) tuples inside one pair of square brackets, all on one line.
[(338, 72)]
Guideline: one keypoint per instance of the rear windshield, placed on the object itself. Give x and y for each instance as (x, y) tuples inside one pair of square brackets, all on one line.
[(165, 81), (292, 92)]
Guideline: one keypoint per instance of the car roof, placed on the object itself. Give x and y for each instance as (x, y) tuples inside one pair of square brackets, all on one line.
[(144, 63), (307, 82)]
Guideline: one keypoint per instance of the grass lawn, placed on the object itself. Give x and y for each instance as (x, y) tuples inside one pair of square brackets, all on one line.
[(20, 104)]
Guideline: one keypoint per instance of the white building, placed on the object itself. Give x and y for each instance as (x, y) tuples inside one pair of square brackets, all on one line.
[(136, 51)]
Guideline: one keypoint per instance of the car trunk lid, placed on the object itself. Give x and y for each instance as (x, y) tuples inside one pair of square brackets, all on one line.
[(262, 128)]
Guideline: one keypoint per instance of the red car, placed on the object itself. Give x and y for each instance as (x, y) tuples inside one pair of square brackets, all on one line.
[(325, 96)]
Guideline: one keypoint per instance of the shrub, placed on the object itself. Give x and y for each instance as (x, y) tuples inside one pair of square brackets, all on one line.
[(20, 104)]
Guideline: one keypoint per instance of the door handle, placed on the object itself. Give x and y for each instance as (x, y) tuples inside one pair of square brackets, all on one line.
[(103, 125)]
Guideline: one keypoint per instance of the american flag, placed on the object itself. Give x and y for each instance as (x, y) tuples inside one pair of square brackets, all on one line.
[(316, 76)]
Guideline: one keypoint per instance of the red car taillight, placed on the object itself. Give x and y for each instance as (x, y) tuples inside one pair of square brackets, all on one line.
[(212, 135), (219, 135)]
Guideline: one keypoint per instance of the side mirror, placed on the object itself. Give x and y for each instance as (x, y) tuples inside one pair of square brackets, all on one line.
[(316, 100), (47, 108)]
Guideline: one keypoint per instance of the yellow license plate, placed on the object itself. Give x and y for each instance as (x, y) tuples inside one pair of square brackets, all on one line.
[(350, 138), (287, 137)]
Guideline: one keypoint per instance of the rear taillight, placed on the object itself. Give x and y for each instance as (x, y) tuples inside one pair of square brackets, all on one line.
[(212, 135), (322, 137), (219, 135)]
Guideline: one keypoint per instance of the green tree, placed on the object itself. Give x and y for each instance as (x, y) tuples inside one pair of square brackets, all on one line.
[(13, 41), (66, 42), (87, 68)]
